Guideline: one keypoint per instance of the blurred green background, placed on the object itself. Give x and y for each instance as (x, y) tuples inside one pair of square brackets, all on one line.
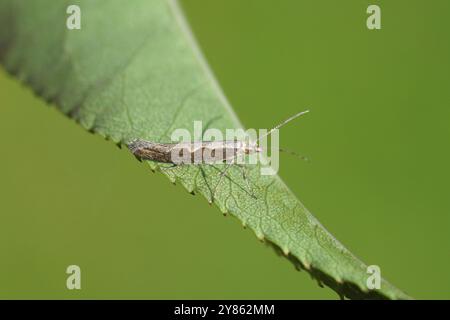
[(378, 136)]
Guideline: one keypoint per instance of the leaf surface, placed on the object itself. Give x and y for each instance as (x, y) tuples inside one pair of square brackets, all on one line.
[(135, 71)]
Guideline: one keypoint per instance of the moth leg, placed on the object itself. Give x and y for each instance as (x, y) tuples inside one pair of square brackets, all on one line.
[(202, 171), (247, 182), (170, 166), (222, 174), (243, 188)]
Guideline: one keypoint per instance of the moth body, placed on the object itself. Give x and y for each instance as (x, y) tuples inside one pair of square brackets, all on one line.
[(191, 152)]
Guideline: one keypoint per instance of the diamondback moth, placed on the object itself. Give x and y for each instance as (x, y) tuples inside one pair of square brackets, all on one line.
[(220, 151), (225, 151)]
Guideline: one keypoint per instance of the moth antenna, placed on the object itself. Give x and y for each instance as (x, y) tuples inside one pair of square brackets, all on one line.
[(292, 153), (283, 123)]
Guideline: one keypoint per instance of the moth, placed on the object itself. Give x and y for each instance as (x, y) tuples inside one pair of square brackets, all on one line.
[(193, 153)]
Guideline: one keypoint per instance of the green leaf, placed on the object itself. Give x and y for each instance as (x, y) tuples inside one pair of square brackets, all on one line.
[(134, 71)]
